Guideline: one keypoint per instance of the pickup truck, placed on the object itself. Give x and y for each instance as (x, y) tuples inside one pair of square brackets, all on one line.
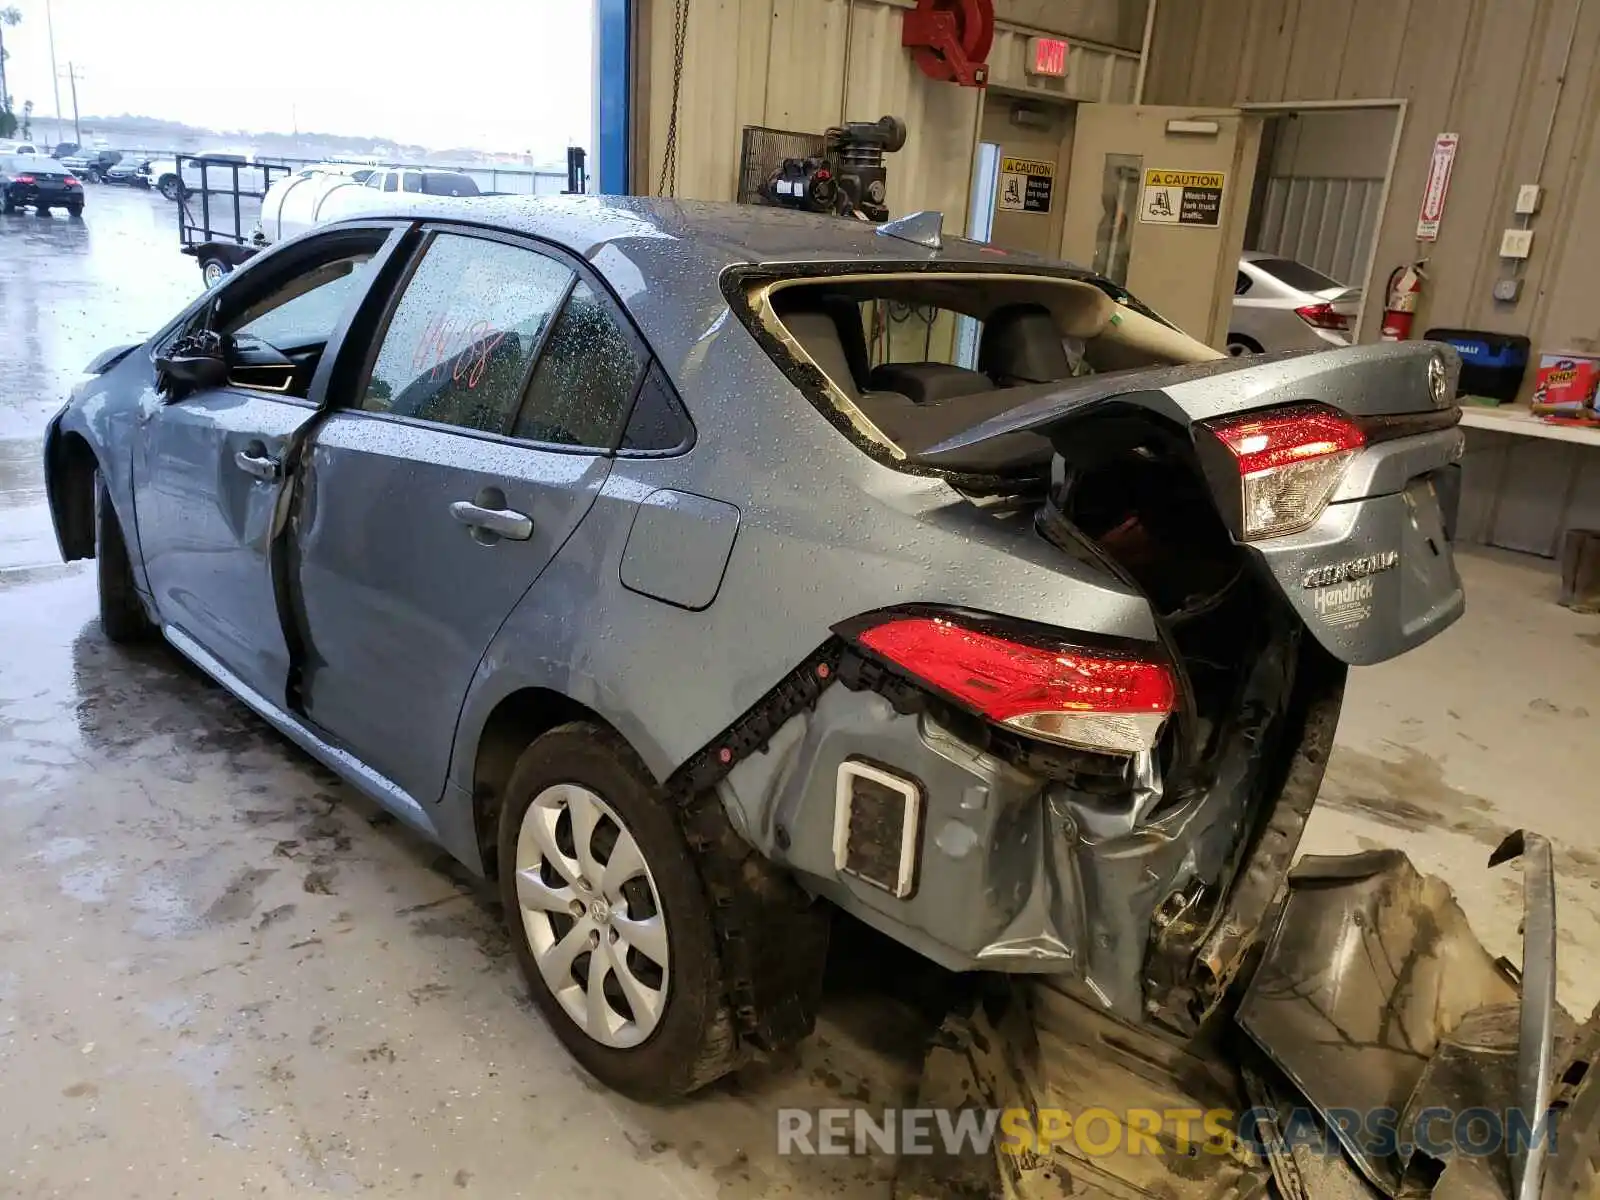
[(211, 171)]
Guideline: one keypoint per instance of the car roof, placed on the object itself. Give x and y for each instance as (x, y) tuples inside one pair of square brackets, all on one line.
[(665, 258), (719, 233)]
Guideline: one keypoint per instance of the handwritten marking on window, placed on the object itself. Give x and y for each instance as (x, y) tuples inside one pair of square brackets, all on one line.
[(462, 347)]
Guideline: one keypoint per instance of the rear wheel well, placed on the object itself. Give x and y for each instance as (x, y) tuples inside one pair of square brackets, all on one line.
[(516, 722)]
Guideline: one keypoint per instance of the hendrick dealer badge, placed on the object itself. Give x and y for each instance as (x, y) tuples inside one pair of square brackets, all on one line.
[(1342, 592)]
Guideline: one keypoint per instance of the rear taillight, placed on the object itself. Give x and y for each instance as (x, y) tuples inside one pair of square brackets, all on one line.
[(1088, 698), (1323, 316), (1290, 460), (26, 179), (70, 181)]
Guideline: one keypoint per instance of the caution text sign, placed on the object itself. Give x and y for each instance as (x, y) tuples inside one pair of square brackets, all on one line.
[(1182, 197)]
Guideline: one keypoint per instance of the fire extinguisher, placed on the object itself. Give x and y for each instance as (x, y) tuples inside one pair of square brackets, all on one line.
[(1400, 304)]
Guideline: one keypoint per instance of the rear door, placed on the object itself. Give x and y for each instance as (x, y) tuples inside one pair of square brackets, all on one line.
[(207, 487), (434, 496), (1157, 200)]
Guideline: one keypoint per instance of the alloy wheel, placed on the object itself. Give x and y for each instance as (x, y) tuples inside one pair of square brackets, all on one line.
[(213, 273), (592, 915)]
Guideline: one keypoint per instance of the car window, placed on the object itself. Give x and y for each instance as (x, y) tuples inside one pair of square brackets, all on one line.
[(411, 182), (457, 348), (585, 377), (391, 181), (1296, 274), (448, 183), (1241, 283), (658, 423), (304, 311)]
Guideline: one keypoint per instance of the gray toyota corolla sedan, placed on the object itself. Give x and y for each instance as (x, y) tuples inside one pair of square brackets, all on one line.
[(697, 571)]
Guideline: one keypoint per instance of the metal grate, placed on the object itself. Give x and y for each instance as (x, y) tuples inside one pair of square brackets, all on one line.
[(762, 151)]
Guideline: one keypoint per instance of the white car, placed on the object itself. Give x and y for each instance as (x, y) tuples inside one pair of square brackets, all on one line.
[(1281, 304), (9, 149)]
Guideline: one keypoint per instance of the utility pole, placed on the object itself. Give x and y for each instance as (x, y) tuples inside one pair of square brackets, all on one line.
[(55, 75), (73, 76)]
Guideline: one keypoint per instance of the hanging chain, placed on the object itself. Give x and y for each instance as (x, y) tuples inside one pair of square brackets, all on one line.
[(668, 184)]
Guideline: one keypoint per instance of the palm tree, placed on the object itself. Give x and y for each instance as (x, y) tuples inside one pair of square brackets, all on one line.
[(8, 122)]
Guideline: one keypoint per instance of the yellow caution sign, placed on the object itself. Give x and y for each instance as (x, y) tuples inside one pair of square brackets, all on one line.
[(1026, 184), (1182, 197)]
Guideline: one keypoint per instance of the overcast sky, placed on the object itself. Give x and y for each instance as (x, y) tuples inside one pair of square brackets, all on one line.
[(509, 75)]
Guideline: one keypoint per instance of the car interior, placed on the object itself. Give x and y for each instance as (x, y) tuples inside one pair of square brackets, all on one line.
[(1020, 331), (278, 326)]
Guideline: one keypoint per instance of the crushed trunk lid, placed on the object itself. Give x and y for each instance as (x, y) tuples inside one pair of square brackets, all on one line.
[(1373, 575)]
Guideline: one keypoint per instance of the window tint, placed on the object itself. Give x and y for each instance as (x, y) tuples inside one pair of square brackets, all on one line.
[(584, 379), (391, 181), (658, 422), (411, 182), (304, 311), (1241, 283), (457, 348), (1296, 274)]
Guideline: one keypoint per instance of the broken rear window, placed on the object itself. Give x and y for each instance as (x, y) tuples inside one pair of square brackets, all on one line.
[(910, 358)]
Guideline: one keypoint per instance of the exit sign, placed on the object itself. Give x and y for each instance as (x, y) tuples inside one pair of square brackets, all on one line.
[(1047, 56)]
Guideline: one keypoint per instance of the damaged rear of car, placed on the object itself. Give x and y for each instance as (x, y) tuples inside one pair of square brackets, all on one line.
[(1120, 815), (1280, 519)]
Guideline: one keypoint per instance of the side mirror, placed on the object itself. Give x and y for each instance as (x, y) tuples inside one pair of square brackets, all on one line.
[(192, 363)]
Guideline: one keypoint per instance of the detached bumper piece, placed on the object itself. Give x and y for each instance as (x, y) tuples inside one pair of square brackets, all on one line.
[(1385, 1053)]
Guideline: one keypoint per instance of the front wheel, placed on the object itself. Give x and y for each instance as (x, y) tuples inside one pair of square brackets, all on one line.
[(609, 918), (170, 187), (122, 614)]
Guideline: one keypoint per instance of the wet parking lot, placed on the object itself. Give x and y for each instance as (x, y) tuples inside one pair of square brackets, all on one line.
[(222, 972)]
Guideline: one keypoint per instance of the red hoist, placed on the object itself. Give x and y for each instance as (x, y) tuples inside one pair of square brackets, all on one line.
[(1400, 305), (950, 39)]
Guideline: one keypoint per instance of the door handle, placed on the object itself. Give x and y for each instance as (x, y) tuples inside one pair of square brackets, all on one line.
[(259, 465), (500, 522)]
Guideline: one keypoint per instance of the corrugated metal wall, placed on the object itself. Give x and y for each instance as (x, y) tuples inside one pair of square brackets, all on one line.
[(806, 64), (1325, 222), (1489, 70)]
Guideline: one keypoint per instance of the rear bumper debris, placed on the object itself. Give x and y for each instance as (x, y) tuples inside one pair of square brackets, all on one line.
[(1376, 1050)]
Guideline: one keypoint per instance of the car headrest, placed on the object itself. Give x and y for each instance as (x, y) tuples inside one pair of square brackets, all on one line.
[(1021, 344), (818, 335), (927, 382)]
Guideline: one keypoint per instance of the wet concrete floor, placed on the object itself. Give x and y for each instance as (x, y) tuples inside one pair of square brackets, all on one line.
[(222, 971)]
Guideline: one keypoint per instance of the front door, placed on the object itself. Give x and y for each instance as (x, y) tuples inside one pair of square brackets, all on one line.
[(435, 497), (206, 495), (1157, 200)]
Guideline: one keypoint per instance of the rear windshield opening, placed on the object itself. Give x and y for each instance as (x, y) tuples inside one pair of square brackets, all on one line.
[(911, 359)]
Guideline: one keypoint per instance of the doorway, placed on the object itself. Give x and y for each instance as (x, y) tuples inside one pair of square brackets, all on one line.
[(1321, 187), (1024, 174)]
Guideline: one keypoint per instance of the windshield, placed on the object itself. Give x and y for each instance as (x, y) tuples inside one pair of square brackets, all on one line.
[(1296, 274)]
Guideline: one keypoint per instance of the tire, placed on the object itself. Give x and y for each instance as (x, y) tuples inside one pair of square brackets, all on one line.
[(10, 205), (122, 614), (170, 187), (1240, 344), (213, 271), (688, 1041), (75, 210)]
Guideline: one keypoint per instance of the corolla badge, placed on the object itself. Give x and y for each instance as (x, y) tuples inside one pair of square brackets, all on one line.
[(1354, 568)]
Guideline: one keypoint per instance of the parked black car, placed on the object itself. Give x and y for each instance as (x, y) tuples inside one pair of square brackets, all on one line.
[(42, 186), (135, 172), (64, 149)]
